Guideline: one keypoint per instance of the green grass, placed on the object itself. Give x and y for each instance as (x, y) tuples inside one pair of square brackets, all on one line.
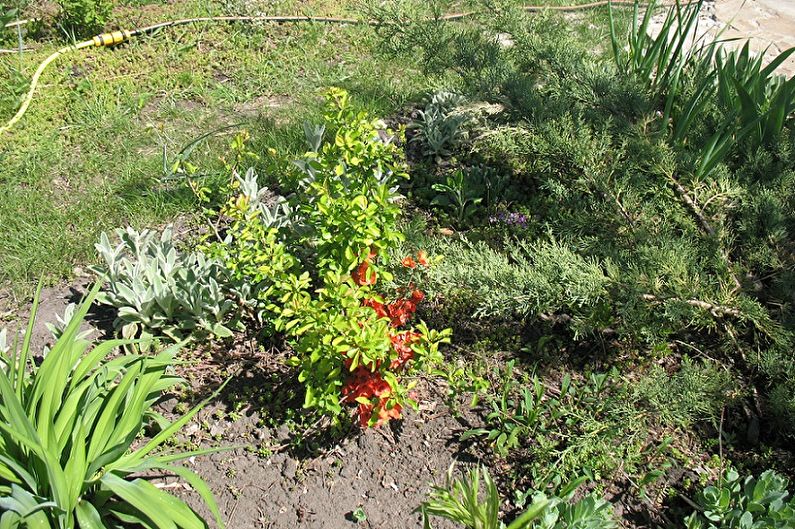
[(87, 156)]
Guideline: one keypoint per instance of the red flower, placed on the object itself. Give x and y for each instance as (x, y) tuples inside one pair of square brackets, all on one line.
[(376, 391), (384, 414), (422, 258), (366, 383), (377, 306), (365, 413), (409, 262), (401, 311), (364, 275), (401, 342), (417, 296)]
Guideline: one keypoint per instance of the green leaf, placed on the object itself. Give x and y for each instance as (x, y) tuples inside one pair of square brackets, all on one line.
[(533, 512), (88, 517), (201, 487), (138, 455), (163, 509)]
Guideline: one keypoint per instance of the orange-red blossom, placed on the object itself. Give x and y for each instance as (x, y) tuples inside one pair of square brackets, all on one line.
[(366, 386)]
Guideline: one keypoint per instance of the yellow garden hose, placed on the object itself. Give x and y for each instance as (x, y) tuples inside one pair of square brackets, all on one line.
[(35, 81), (117, 37)]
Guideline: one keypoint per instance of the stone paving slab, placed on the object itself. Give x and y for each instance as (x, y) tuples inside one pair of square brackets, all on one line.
[(768, 23)]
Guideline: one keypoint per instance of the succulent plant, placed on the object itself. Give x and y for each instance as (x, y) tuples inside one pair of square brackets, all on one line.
[(751, 503)]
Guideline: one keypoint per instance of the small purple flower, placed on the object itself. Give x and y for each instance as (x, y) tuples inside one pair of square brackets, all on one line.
[(510, 219)]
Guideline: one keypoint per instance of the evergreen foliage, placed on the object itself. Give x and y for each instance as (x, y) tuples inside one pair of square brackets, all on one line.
[(650, 236)]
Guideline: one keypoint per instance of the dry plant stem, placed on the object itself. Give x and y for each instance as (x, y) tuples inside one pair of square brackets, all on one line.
[(706, 226), (624, 212), (690, 502), (719, 311), (18, 23), (232, 514), (691, 204)]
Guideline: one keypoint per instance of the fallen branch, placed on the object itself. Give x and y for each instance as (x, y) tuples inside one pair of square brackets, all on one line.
[(694, 209), (718, 311)]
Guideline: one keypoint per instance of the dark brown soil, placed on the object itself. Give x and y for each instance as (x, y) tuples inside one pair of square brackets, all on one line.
[(387, 471), (52, 305)]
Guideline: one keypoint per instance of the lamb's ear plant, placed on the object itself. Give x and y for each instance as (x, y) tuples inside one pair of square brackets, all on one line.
[(440, 126), (67, 428), (161, 291)]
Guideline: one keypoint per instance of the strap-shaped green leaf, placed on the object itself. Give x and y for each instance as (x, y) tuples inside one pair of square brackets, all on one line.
[(165, 510), (525, 519), (76, 466), (137, 456), (22, 357), (106, 422), (29, 508), (17, 472), (46, 380), (201, 487), (88, 517)]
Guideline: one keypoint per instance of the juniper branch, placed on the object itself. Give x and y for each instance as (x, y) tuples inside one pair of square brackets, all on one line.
[(685, 197)]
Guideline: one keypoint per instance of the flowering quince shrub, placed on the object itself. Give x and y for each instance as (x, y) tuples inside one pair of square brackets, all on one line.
[(312, 276), (352, 345), (376, 388)]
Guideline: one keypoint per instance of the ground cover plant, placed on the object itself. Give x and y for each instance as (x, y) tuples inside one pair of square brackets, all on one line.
[(546, 255), (618, 222)]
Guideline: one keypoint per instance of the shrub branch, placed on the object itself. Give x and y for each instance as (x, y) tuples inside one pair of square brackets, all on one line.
[(685, 197)]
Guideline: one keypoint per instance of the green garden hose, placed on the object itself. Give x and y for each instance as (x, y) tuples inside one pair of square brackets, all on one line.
[(117, 37)]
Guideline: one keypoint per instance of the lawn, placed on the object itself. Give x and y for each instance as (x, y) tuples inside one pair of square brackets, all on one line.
[(89, 154)]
